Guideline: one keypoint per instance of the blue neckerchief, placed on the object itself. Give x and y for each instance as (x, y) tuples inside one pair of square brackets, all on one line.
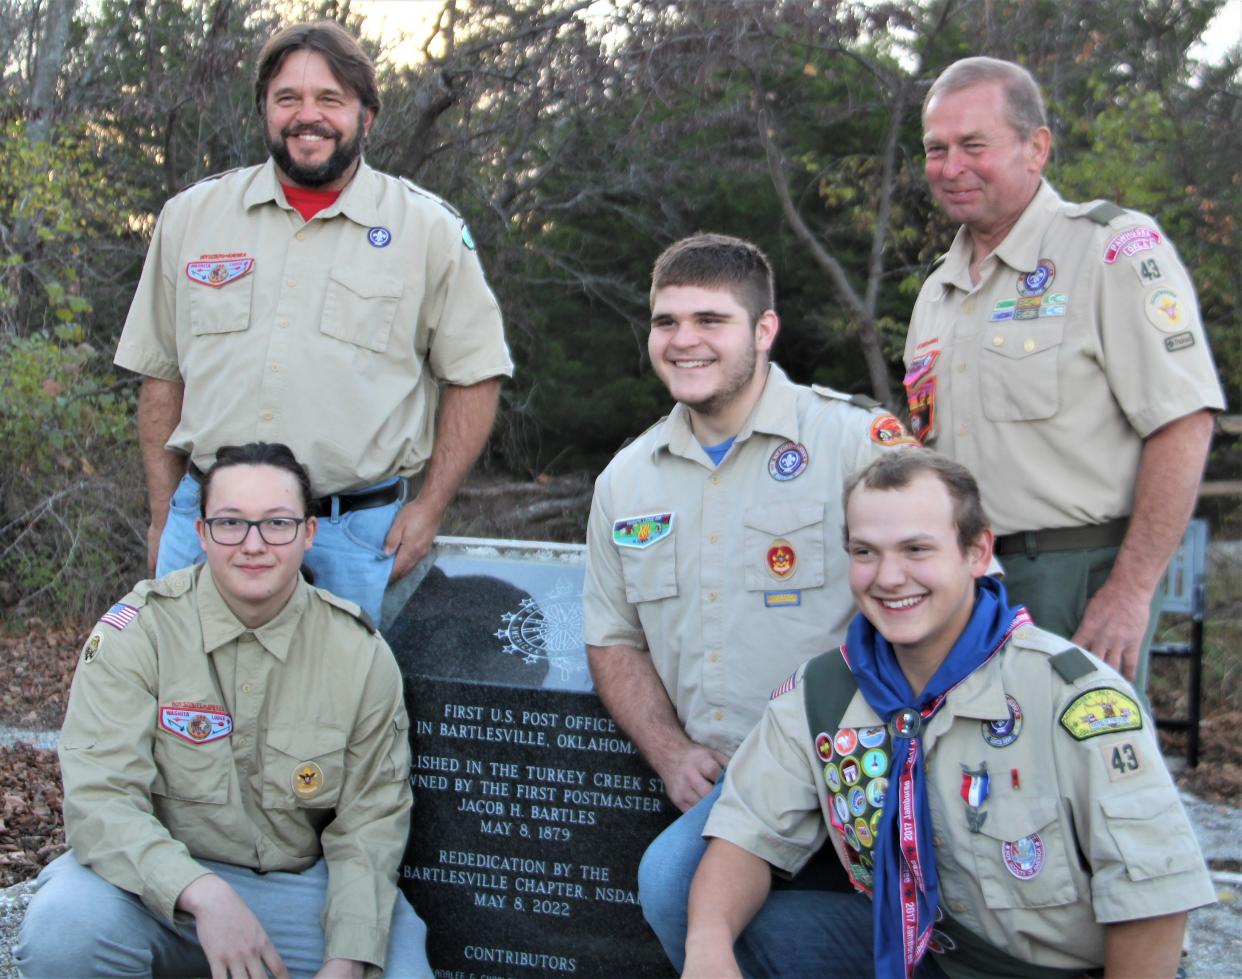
[(905, 862), (717, 452)]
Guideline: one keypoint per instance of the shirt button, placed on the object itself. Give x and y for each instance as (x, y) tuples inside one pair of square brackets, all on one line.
[(957, 907), (275, 368), (713, 538), (715, 479), (243, 741), (300, 236), (998, 341), (268, 416), (718, 715), (936, 840), (963, 429), (711, 596), (968, 306), (713, 657), (246, 688), (1028, 346), (291, 283), (961, 368), (283, 324)]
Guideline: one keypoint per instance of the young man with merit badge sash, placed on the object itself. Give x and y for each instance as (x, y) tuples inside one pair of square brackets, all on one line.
[(236, 759), (712, 560), (1057, 352), (997, 795)]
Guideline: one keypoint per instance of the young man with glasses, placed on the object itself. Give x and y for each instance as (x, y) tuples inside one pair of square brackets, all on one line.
[(235, 757)]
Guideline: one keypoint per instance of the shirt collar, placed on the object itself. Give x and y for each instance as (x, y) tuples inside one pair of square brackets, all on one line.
[(775, 413), (356, 202), (1019, 250), (220, 626)]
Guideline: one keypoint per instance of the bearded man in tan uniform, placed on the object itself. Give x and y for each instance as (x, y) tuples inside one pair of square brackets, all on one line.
[(319, 303), (1057, 351)]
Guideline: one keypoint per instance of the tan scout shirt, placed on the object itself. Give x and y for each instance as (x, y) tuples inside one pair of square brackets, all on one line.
[(1079, 342), (750, 578), (1107, 797), (330, 335), (190, 736)]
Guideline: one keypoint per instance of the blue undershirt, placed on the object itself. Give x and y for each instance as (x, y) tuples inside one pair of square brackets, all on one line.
[(717, 452)]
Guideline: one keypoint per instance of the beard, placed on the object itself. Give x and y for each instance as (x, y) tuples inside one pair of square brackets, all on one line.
[(342, 158), (731, 385)]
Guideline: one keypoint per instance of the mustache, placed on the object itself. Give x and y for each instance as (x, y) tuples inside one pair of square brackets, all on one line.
[(327, 132)]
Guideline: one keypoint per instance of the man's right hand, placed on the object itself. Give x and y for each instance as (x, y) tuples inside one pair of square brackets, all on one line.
[(691, 772), (234, 942)]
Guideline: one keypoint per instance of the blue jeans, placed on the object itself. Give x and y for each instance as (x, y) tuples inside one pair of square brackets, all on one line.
[(78, 924), (347, 557)]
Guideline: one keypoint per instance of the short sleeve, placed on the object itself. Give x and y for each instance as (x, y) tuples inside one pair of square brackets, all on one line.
[(148, 343), (608, 619)]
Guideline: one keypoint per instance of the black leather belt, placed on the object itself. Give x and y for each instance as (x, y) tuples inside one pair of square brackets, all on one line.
[(1032, 542), (394, 493)]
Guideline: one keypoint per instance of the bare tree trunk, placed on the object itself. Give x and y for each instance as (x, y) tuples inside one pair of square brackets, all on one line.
[(47, 64)]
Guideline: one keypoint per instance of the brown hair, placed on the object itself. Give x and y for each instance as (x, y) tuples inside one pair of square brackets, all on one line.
[(897, 470), (348, 63), (713, 260), (1023, 102), (273, 454)]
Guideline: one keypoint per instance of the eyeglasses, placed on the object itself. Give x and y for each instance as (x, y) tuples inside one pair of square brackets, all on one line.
[(273, 530)]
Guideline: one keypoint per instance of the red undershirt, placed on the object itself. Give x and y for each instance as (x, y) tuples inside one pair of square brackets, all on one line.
[(308, 203)]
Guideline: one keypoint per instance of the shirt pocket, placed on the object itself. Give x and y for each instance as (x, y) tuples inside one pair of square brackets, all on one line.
[(1139, 824), (1018, 376), (192, 772), (222, 310), (650, 572), (303, 767), (361, 309), (1028, 837), (783, 545)]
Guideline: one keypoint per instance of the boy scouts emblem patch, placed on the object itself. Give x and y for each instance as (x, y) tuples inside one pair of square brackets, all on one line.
[(1001, 734), (887, 430), (782, 561), (218, 270), (1130, 242), (91, 649), (119, 616), (1101, 711), (1036, 283), (1164, 310), (642, 531), (307, 780), (379, 237), (788, 462), (196, 723), (1024, 857)]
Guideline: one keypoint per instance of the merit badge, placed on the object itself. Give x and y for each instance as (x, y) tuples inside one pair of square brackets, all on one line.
[(1001, 734), (832, 778), (119, 616), (196, 723), (851, 837), (642, 531), (782, 561), (218, 270), (823, 745), (976, 784), (887, 430), (1130, 242), (788, 462), (467, 238), (379, 237), (863, 832), (1164, 310), (857, 800), (906, 723), (875, 763), (843, 810), (1122, 759), (846, 741), (1149, 270), (877, 789), (871, 737), (307, 780), (1036, 283), (782, 599), (1179, 342), (789, 683), (850, 772), (1101, 711), (877, 816), (1024, 857), (91, 649)]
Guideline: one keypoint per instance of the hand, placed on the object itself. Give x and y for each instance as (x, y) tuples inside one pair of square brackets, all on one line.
[(691, 773), (341, 969), (155, 530), (411, 536), (234, 942), (1113, 627)]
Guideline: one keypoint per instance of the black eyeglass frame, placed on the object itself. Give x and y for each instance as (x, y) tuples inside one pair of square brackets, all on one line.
[(258, 525)]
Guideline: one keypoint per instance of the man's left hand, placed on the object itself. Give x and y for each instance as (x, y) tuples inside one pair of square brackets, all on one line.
[(1113, 627), (410, 537), (341, 969)]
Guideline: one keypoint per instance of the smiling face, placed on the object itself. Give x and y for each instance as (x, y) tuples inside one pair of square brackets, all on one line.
[(908, 571), (314, 126), (255, 578), (979, 168), (711, 358)]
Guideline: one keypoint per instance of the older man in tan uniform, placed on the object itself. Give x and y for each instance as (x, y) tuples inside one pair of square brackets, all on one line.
[(316, 302), (713, 563), (1057, 351)]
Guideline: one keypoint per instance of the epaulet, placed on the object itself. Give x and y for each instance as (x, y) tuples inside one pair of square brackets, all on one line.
[(212, 176), (857, 400), (423, 192), (345, 605), (1105, 212), (1073, 664), (170, 586), (634, 438), (933, 265)]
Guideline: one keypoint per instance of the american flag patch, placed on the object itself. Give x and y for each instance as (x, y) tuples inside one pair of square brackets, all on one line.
[(790, 682), (120, 615)]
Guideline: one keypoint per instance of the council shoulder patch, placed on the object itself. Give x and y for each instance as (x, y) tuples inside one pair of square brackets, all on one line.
[(1130, 242), (1103, 710), (642, 531), (887, 430)]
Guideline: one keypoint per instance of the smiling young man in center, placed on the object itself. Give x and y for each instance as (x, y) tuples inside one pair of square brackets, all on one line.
[(713, 563)]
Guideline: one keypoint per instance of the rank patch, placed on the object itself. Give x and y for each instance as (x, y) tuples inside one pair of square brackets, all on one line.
[(1130, 242), (642, 531), (1122, 759), (782, 560), (1101, 711), (307, 780), (1001, 734), (119, 616), (196, 723), (887, 430), (1036, 283), (1025, 857), (789, 461), (379, 237), (91, 649), (218, 270), (782, 599), (1179, 342), (1164, 310)]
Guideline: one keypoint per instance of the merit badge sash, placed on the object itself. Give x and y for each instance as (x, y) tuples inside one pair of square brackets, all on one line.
[(196, 723)]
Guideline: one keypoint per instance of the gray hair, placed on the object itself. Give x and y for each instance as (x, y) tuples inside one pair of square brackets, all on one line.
[(1022, 98)]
